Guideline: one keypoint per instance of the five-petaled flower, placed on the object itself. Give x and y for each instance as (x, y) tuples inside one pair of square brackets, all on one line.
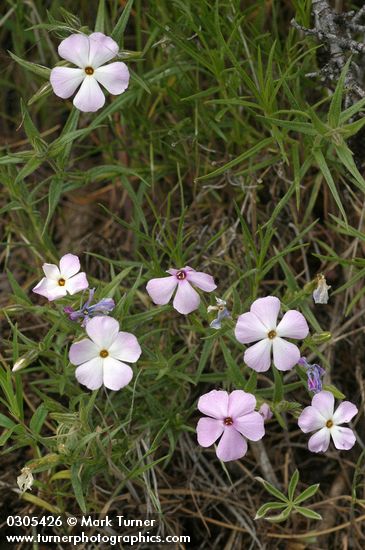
[(260, 323), (87, 311), (100, 358), (321, 418), (59, 281), (89, 53), (186, 298), (231, 416)]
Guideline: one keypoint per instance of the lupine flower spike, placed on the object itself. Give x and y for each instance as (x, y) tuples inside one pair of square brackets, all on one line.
[(321, 418), (260, 325), (231, 416), (314, 373), (222, 313), (87, 311), (89, 53), (59, 281), (186, 298), (320, 294), (100, 358)]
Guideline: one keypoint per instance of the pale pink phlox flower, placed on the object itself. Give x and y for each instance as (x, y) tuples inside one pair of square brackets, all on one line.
[(59, 281), (231, 416), (186, 298), (100, 358), (260, 325), (89, 53), (321, 418)]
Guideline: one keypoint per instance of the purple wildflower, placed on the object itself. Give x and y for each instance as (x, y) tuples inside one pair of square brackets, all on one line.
[(314, 373), (87, 311)]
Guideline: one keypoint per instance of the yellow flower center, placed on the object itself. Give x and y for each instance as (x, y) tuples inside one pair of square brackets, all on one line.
[(89, 71), (61, 282), (329, 424), (271, 334), (104, 353), (181, 275)]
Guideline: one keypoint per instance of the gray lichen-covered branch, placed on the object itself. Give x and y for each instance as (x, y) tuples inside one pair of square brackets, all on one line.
[(342, 35)]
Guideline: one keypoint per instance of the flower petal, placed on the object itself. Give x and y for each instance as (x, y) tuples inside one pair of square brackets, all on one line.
[(293, 325), (311, 420), (240, 403), (51, 271), (201, 280), (125, 347), (324, 402), (90, 374), (343, 438), (214, 404), (250, 425), (103, 331), (161, 289), (102, 49), (232, 445), (76, 283), (319, 441), (249, 329), (267, 310), (186, 298), (344, 412), (83, 351), (286, 354), (65, 81), (75, 48), (258, 356), (90, 97), (50, 289), (208, 430), (114, 77), (116, 375), (69, 265)]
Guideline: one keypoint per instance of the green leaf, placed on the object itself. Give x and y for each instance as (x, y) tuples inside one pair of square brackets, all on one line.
[(32, 67), (307, 493), (293, 484), (244, 156), (310, 514), (334, 112), (280, 517), (38, 419), (100, 17), (278, 386), (271, 489), (54, 194), (77, 487), (119, 28), (318, 155), (336, 392), (265, 508)]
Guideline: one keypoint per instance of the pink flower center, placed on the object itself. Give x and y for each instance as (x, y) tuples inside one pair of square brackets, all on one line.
[(329, 423), (228, 421), (271, 334), (104, 353), (89, 70), (61, 282), (181, 275)]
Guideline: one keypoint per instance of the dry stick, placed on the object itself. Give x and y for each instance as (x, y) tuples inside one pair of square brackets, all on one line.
[(311, 534)]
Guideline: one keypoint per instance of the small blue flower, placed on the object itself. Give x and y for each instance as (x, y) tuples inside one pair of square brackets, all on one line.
[(222, 313), (314, 374), (87, 311)]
